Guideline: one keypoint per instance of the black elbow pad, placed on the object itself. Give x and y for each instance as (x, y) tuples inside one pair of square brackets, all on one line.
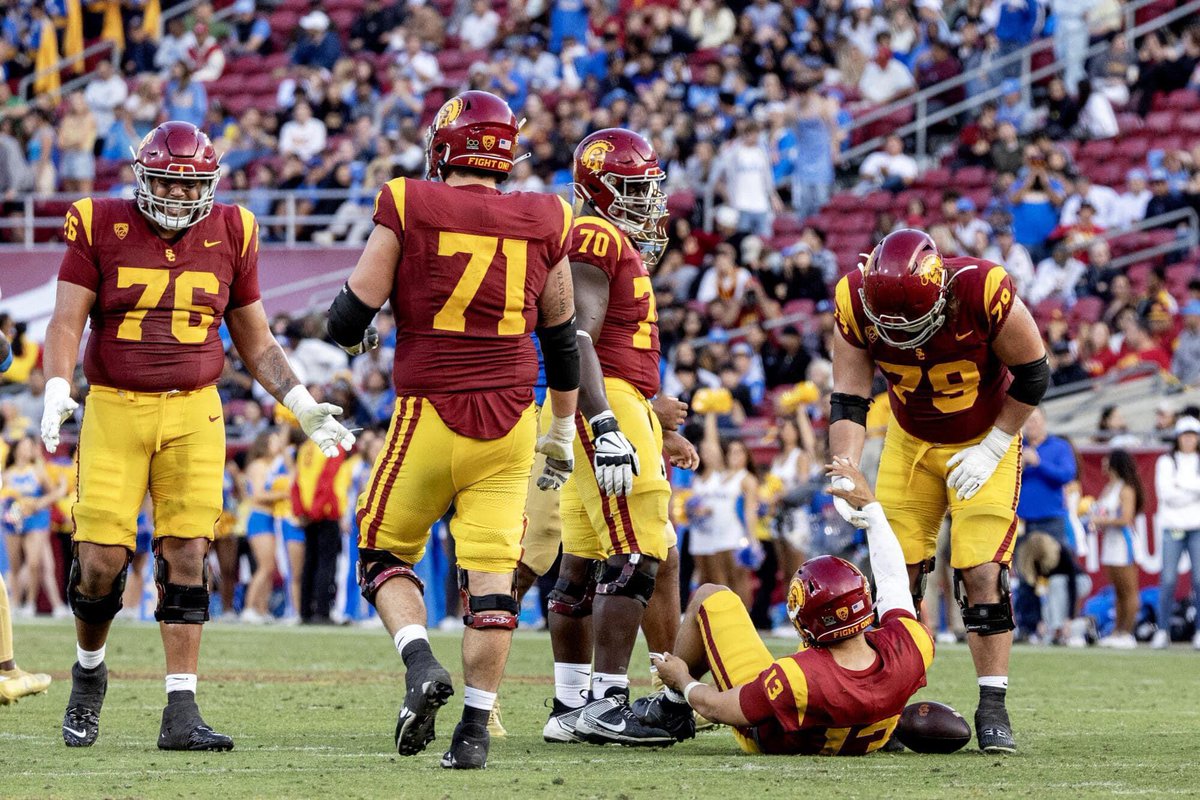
[(848, 406), (1030, 381), (560, 351), (349, 318)]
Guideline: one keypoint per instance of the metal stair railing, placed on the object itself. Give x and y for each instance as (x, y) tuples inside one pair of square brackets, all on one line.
[(27, 82), (1188, 241), (923, 119)]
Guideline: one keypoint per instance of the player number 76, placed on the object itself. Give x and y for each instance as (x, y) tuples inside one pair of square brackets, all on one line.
[(183, 303)]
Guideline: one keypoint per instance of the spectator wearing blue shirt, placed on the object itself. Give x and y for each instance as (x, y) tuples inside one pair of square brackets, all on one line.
[(1048, 464), (567, 18), (1012, 108), (251, 32), (1035, 200), (812, 176), (183, 98), (319, 46), (1018, 22)]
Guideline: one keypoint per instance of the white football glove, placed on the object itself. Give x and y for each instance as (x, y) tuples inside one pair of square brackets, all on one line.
[(855, 516), (558, 446), (58, 407), (369, 341), (318, 421), (977, 463), (616, 460)]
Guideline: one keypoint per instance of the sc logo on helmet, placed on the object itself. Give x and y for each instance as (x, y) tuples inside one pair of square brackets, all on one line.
[(449, 113)]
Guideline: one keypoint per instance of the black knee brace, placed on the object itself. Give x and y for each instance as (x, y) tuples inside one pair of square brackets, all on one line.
[(629, 575), (179, 604), (574, 599), (485, 611), (918, 588), (985, 619), (377, 567), (96, 610)]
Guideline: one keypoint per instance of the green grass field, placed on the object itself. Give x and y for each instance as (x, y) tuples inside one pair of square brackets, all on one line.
[(312, 712)]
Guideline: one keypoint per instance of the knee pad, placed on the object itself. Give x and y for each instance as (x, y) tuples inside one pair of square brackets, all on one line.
[(96, 610), (484, 611), (377, 567), (574, 599), (629, 575), (922, 579), (986, 619), (179, 604)]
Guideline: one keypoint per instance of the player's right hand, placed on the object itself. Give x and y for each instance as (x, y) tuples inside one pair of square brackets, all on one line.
[(369, 341), (616, 460), (59, 406), (841, 484)]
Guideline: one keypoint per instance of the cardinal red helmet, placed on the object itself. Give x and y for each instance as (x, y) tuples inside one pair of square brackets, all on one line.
[(173, 151), (616, 171), (904, 288), (475, 130), (829, 600)]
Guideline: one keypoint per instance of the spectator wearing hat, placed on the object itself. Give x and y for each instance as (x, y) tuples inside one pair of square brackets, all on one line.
[(1012, 108), (1162, 199), (797, 278), (1185, 364), (750, 369), (1131, 203), (787, 361), (1015, 258), (251, 32), (970, 231), (1177, 484), (318, 45), (884, 78), (1065, 368), (1057, 277)]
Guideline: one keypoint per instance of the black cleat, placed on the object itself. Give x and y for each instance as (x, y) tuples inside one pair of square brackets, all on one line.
[(657, 711), (992, 727), (892, 745), (560, 727), (426, 692), (468, 747), (184, 729), (81, 723), (612, 721)]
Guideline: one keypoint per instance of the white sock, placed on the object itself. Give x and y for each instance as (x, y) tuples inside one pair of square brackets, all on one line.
[(571, 682), (89, 659), (181, 682), (994, 681), (603, 681), (478, 698), (409, 633)]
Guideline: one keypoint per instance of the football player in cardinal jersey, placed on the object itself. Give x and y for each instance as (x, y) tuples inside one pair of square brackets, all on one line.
[(470, 273), (614, 542), (157, 274), (965, 367), (843, 692)]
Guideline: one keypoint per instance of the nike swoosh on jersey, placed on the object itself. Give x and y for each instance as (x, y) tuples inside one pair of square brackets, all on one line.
[(213, 419), (207, 243), (960, 337)]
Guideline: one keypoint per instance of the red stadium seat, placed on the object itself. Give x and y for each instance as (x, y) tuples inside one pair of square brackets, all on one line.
[(1097, 149), (935, 178), (788, 224), (1128, 121), (1182, 100), (805, 307), (968, 177), (681, 203), (1087, 309), (879, 201), (1161, 121)]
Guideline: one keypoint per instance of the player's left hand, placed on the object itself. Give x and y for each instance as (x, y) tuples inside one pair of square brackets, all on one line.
[(680, 451), (558, 446), (858, 494), (616, 460), (973, 466), (673, 670), (318, 422), (369, 341)]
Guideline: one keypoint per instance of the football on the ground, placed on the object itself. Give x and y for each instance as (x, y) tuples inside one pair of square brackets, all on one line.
[(929, 727)]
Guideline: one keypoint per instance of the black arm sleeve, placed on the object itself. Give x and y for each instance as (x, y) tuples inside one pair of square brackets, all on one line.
[(349, 318), (848, 406), (1030, 381), (560, 351)]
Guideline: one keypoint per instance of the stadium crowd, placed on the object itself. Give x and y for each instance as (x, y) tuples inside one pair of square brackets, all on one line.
[(748, 105)]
